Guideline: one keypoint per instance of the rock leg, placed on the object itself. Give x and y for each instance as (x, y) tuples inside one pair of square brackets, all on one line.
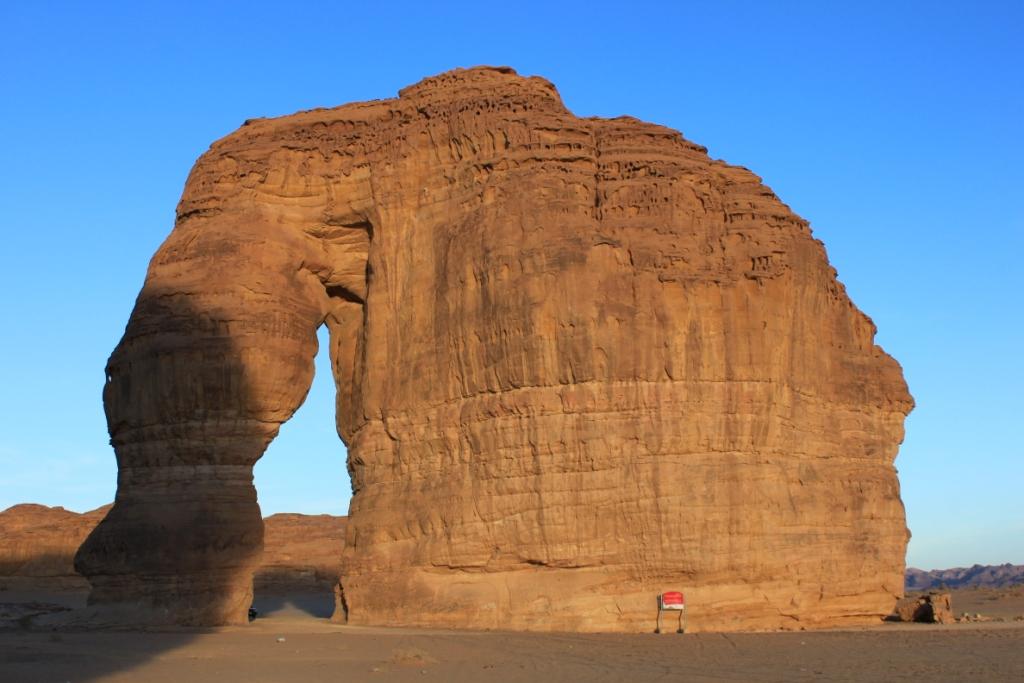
[(213, 360)]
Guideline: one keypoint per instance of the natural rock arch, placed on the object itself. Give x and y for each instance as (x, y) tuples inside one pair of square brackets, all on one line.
[(578, 363)]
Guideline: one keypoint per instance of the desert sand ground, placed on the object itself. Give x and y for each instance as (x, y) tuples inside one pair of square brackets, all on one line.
[(292, 641)]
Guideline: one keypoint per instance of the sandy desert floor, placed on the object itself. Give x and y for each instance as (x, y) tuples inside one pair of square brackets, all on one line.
[(292, 641)]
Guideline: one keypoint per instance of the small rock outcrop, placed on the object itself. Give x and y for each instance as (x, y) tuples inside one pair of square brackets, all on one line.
[(931, 608), (301, 552), (578, 361)]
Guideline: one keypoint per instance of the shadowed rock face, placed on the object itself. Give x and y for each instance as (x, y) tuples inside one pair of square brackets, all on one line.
[(578, 363)]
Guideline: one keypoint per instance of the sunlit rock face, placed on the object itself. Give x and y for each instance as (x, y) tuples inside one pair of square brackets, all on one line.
[(578, 363)]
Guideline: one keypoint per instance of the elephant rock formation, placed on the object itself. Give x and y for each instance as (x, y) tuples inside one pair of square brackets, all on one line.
[(578, 363)]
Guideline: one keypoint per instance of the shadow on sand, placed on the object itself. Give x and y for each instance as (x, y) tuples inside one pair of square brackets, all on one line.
[(301, 604), (32, 649)]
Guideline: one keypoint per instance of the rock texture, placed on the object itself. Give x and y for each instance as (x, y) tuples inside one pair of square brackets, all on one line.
[(38, 545), (578, 362)]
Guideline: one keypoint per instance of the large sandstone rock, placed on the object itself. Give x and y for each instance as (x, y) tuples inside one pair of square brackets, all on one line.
[(578, 363)]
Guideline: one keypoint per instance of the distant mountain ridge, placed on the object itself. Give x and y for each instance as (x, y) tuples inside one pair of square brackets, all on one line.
[(977, 576)]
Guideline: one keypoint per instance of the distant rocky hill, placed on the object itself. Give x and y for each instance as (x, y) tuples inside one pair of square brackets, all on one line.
[(38, 545), (301, 551), (977, 576)]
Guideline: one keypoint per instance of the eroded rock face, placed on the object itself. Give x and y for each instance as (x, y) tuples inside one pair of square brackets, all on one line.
[(578, 363)]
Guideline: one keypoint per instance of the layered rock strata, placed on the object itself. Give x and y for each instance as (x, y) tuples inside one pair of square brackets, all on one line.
[(578, 363)]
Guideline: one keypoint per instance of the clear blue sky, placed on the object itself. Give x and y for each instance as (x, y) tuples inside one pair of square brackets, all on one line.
[(894, 127)]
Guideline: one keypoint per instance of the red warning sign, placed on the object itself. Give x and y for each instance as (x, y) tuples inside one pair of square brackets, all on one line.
[(672, 600)]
